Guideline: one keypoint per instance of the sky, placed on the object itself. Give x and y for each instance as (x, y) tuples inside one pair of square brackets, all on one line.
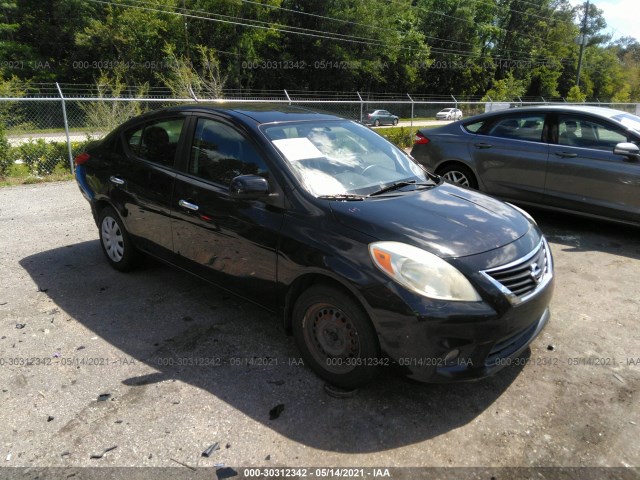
[(621, 16)]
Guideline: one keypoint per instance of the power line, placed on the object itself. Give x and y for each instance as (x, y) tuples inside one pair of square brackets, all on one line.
[(296, 30), (472, 22)]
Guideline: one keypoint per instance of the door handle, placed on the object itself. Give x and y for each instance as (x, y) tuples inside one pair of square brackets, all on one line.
[(189, 206), (482, 145), (116, 180), (566, 155)]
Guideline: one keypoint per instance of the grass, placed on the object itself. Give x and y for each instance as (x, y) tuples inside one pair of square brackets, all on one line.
[(23, 131), (418, 119), (19, 174)]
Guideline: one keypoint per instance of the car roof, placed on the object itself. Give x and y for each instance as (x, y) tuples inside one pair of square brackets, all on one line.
[(593, 110), (258, 112)]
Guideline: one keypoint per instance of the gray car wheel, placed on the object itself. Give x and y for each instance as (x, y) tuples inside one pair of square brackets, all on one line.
[(459, 174), (114, 239)]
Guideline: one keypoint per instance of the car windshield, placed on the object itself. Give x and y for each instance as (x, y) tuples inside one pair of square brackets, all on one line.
[(445, 110), (628, 120), (341, 158)]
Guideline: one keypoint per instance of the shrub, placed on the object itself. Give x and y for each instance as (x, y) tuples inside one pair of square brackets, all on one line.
[(400, 136), (5, 153), (42, 158)]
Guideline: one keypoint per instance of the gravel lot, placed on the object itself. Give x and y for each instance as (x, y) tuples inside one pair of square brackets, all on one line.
[(72, 329)]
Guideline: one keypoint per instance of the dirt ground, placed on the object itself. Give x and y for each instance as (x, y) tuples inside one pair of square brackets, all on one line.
[(182, 365)]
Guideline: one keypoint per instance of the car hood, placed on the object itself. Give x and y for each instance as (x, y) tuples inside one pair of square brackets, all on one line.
[(445, 220)]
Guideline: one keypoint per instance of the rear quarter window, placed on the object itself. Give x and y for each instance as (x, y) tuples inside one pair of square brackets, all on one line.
[(474, 127)]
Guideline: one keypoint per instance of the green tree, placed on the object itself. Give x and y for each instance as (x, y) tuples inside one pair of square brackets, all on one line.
[(132, 38), (575, 95), (507, 89), (188, 80)]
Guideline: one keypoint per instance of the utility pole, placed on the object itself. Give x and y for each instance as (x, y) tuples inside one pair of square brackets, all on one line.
[(582, 43), (186, 32)]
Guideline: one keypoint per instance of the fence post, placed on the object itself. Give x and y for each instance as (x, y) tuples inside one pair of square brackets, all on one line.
[(411, 126), (361, 106), (66, 127)]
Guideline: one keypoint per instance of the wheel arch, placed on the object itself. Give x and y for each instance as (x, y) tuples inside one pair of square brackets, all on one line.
[(453, 162), (307, 280), (100, 203)]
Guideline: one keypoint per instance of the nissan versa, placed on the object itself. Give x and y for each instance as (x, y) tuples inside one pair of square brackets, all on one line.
[(370, 259)]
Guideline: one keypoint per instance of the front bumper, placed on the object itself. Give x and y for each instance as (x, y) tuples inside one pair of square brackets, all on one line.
[(440, 341), (461, 341)]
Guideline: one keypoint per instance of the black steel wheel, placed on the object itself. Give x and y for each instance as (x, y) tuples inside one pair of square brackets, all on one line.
[(336, 337)]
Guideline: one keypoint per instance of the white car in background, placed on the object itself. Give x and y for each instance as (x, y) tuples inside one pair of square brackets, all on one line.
[(449, 114)]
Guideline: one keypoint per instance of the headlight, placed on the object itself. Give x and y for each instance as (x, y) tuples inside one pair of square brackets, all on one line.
[(422, 272)]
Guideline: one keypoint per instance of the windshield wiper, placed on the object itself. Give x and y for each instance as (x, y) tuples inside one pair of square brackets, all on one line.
[(398, 185), (343, 196)]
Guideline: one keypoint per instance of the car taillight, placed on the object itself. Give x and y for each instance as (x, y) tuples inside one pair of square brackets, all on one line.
[(368, 115), (82, 158), (420, 139)]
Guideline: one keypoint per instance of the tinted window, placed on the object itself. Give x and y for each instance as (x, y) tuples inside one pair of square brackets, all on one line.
[(586, 132), (156, 141), (220, 153), (519, 127)]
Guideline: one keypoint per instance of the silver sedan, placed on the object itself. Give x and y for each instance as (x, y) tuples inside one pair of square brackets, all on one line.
[(578, 159)]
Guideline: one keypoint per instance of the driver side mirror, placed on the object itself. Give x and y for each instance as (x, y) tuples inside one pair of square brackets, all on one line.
[(629, 150), (249, 187)]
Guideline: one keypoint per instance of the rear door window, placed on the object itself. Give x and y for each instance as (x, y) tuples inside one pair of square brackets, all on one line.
[(156, 141), (527, 127)]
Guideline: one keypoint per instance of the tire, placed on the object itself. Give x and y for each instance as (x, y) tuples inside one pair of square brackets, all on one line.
[(459, 175), (115, 241), (395, 122), (376, 123), (335, 337)]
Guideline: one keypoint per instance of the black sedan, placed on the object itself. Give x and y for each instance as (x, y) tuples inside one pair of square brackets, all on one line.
[(370, 260), (577, 159)]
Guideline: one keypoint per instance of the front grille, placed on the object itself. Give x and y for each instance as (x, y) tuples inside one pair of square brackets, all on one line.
[(522, 278)]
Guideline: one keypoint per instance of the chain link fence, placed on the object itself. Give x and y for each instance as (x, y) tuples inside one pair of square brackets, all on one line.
[(43, 135)]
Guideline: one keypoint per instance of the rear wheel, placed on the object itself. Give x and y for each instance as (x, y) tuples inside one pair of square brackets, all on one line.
[(336, 337), (376, 123), (459, 174), (115, 241)]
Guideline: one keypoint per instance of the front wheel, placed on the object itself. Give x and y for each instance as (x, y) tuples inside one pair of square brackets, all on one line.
[(395, 122), (335, 337), (460, 175), (115, 241)]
